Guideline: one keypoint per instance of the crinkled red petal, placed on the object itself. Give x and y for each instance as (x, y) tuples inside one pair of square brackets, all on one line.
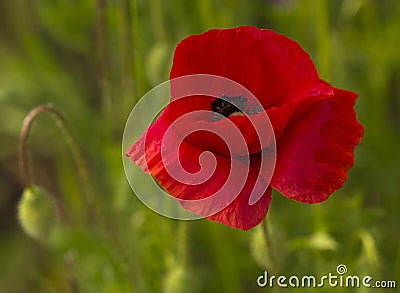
[(147, 153), (280, 116), (274, 68), (316, 149)]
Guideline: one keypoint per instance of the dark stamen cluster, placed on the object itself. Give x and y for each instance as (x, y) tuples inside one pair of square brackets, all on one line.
[(228, 106), (232, 106)]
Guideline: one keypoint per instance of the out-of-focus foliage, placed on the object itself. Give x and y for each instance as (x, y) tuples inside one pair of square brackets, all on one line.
[(94, 59)]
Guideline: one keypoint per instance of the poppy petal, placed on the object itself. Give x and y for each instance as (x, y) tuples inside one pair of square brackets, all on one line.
[(161, 153), (316, 150), (258, 59), (239, 214), (229, 137), (280, 116)]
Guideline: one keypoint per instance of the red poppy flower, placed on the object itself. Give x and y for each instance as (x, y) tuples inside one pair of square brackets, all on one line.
[(315, 128)]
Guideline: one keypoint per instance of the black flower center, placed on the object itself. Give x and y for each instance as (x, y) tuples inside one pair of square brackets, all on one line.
[(229, 106)]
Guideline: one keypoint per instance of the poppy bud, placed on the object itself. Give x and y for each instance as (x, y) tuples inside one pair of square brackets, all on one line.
[(37, 212), (179, 280), (259, 248), (155, 61), (262, 251), (322, 241)]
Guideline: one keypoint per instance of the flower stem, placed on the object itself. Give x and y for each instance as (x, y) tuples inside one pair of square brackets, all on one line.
[(138, 66), (157, 22), (103, 78), (182, 243), (72, 143), (22, 149), (89, 194), (270, 249), (323, 38)]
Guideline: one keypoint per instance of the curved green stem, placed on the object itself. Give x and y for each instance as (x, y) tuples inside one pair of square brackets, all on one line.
[(72, 143), (83, 173)]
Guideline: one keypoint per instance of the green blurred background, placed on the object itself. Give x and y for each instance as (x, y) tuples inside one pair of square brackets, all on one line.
[(93, 59)]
